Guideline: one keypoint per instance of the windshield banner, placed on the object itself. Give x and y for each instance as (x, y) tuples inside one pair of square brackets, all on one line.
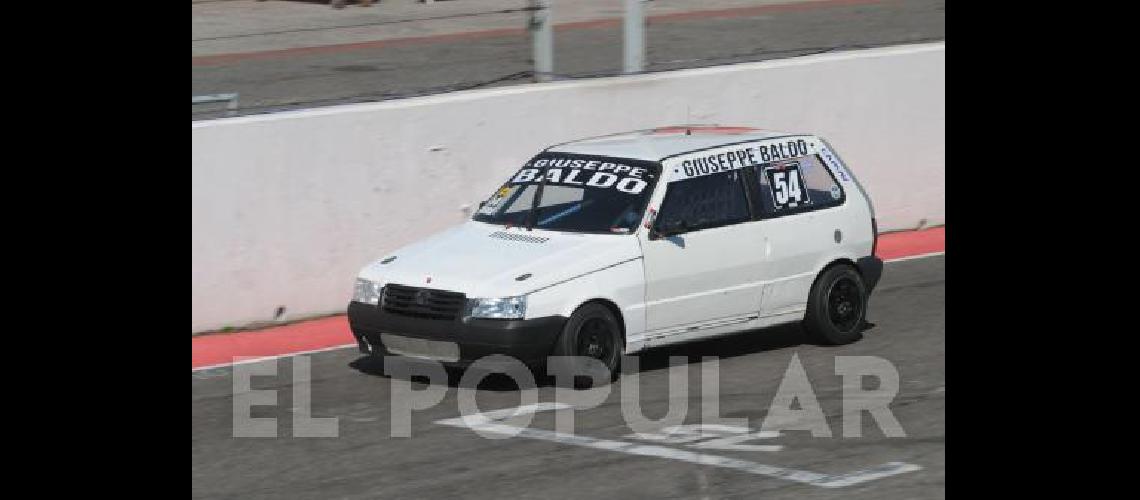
[(606, 173)]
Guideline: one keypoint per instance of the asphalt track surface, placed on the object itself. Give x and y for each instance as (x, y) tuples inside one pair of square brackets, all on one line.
[(907, 314), (300, 79)]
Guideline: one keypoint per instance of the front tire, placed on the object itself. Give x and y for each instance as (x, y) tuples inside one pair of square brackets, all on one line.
[(591, 332), (837, 306)]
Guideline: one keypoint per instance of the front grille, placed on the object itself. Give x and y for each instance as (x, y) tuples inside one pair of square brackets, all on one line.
[(503, 235), (422, 302)]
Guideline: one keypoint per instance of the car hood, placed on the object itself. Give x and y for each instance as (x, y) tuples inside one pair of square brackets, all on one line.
[(484, 260)]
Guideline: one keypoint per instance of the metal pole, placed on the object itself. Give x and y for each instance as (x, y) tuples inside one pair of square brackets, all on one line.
[(542, 37), (633, 57)]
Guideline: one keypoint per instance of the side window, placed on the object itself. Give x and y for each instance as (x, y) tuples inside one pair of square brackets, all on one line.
[(703, 202), (795, 186)]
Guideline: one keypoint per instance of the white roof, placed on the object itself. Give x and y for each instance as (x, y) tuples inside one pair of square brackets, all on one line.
[(658, 143)]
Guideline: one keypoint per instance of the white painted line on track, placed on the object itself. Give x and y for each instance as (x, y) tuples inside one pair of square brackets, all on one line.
[(485, 422), (919, 256), (346, 346)]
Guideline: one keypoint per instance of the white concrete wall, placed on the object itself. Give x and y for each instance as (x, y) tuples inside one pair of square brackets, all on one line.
[(288, 207)]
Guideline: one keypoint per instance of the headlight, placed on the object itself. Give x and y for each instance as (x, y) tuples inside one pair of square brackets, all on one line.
[(367, 291), (501, 308)]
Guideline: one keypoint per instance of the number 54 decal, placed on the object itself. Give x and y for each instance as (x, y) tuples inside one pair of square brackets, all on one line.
[(786, 184)]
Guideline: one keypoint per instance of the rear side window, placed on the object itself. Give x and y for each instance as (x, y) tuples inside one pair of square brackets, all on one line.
[(794, 186), (704, 202)]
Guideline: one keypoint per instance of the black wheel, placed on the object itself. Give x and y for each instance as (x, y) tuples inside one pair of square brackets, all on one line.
[(591, 332), (837, 306)]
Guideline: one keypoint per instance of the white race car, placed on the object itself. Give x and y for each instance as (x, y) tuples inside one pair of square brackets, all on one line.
[(613, 244)]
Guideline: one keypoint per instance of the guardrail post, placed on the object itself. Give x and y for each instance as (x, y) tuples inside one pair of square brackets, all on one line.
[(231, 99), (542, 38), (231, 108), (633, 56)]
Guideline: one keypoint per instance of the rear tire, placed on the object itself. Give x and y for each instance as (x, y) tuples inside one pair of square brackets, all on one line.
[(593, 332), (837, 306)]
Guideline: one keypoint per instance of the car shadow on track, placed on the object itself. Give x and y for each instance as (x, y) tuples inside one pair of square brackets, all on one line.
[(649, 360)]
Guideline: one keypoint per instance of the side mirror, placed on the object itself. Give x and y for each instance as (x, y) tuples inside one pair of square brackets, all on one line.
[(670, 229)]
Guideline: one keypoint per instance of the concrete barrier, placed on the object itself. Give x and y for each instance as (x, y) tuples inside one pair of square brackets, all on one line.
[(286, 208)]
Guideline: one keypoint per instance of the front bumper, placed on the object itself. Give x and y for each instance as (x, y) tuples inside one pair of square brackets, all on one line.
[(528, 340)]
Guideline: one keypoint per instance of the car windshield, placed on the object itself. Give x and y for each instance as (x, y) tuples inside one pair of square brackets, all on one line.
[(576, 193)]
